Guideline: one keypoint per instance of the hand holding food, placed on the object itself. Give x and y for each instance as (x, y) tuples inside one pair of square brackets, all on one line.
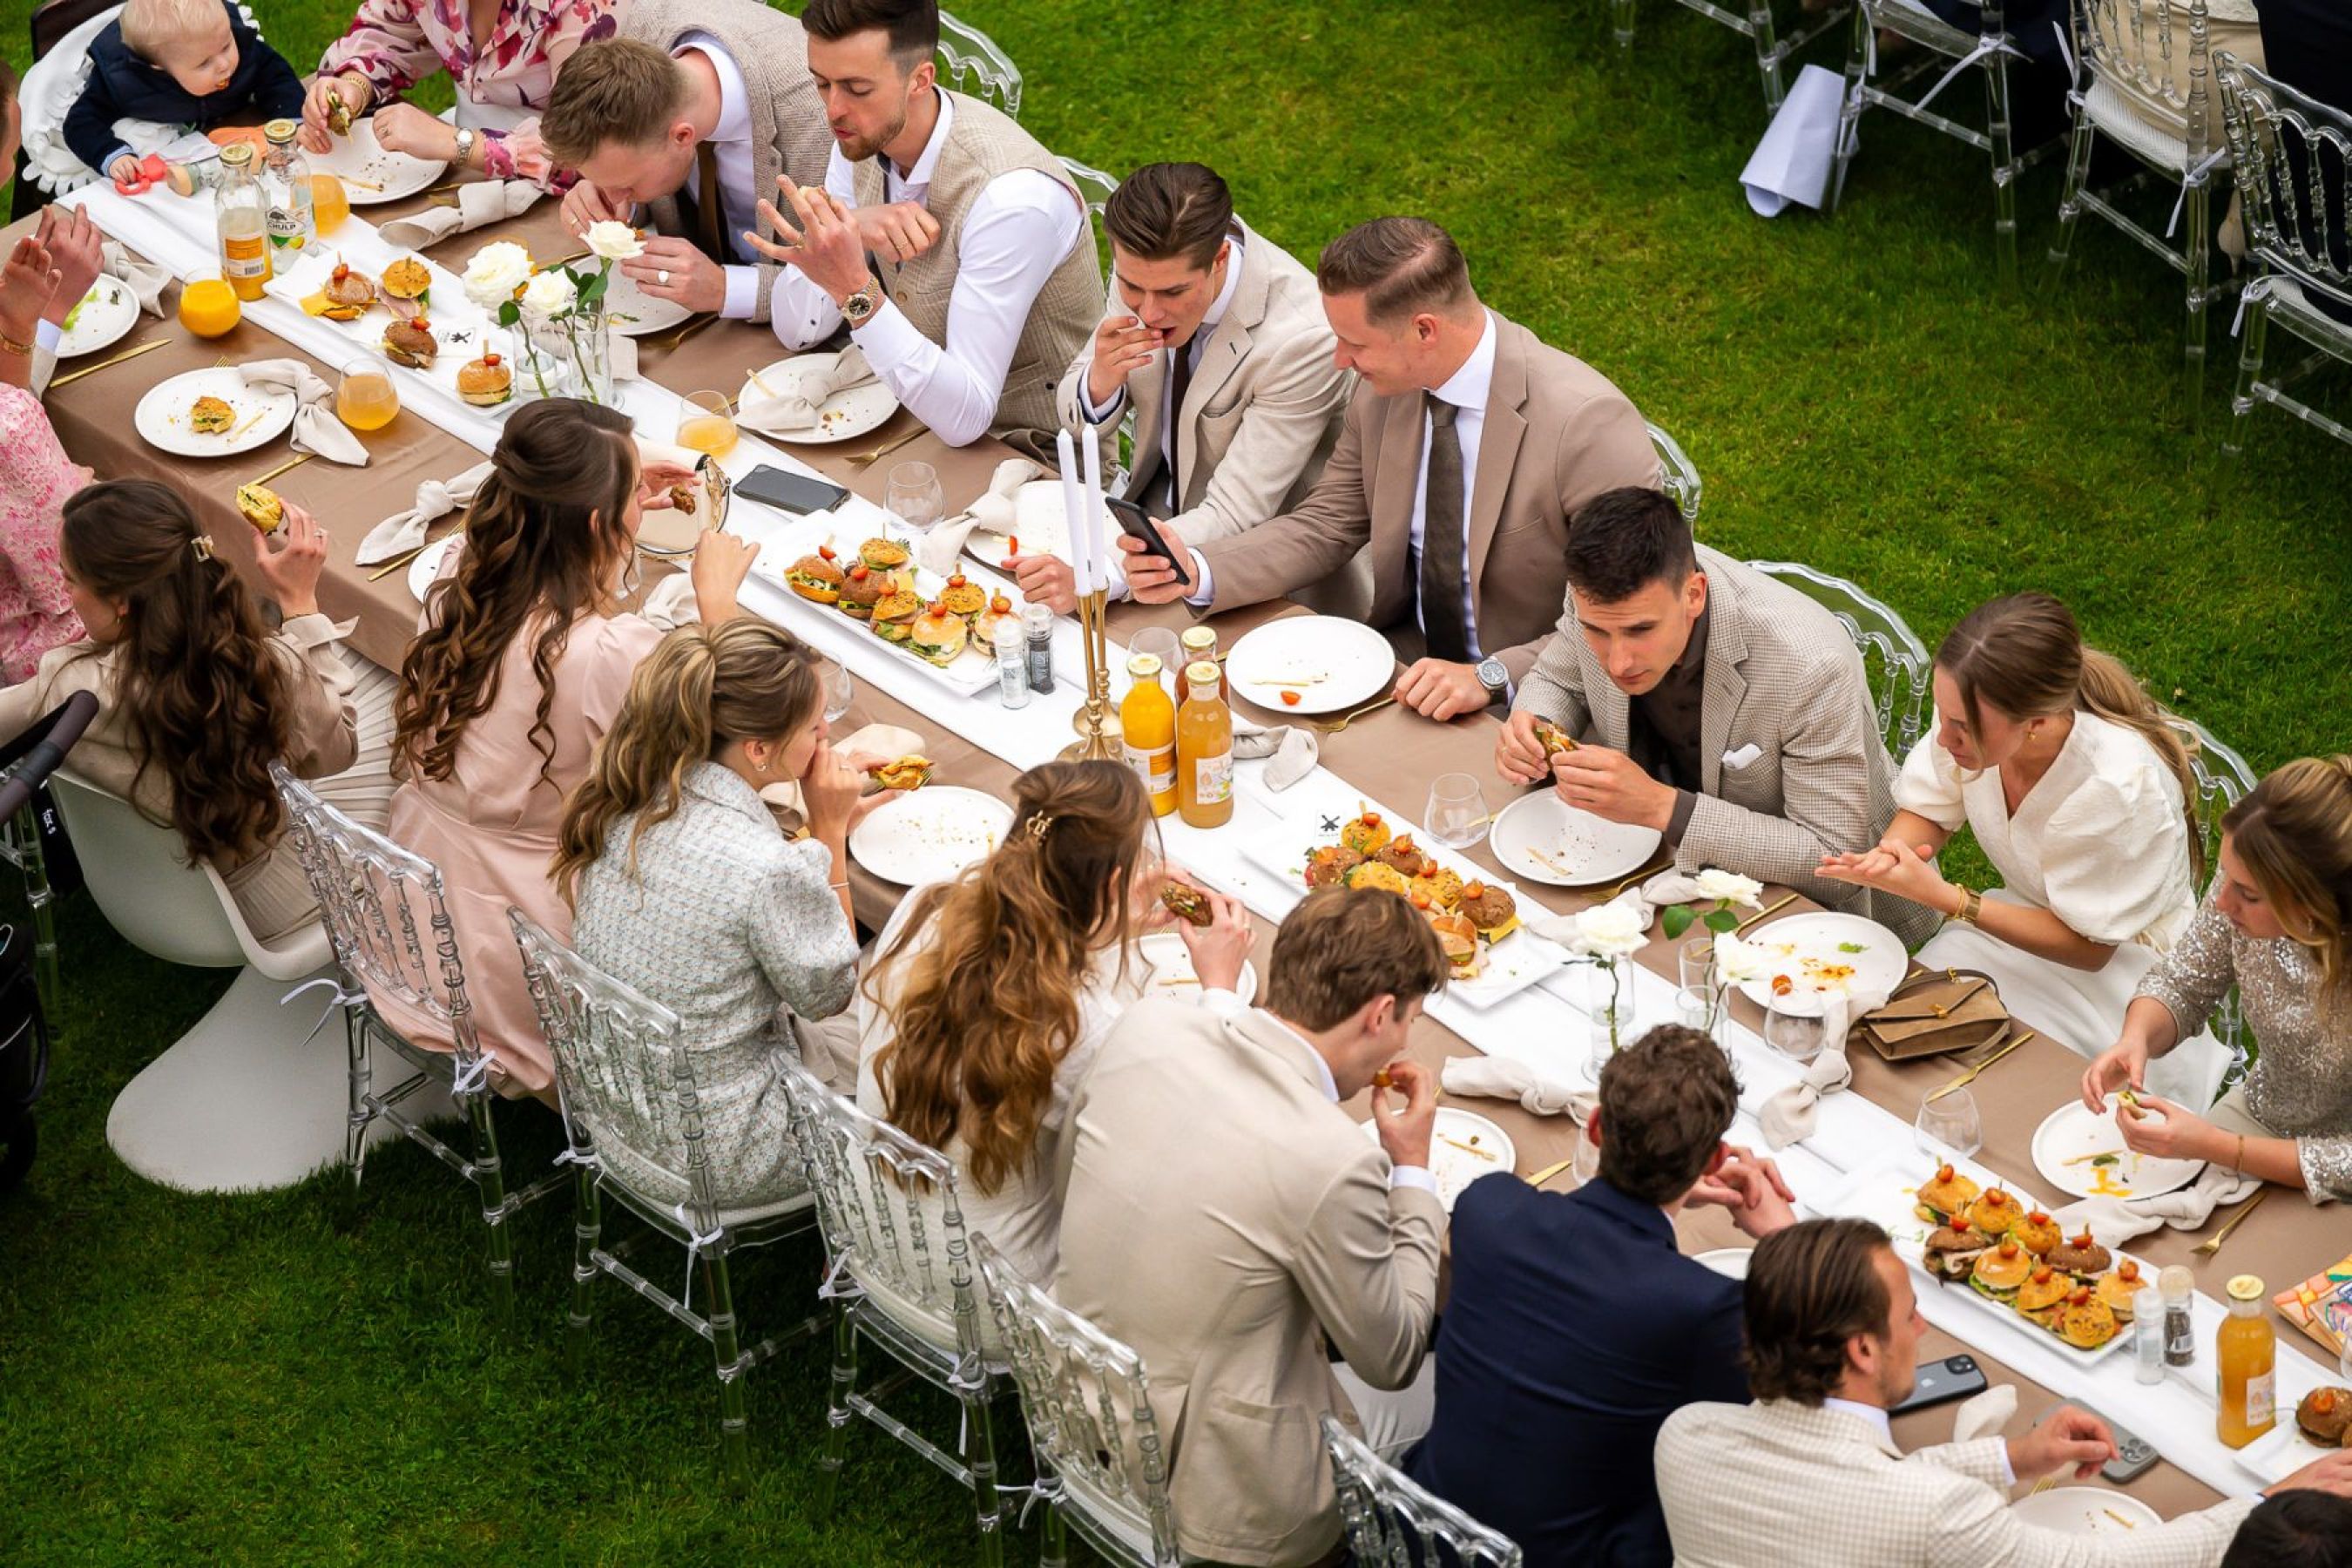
[(261, 507), (903, 774), (1407, 1132), (1220, 944), (293, 571), (2153, 1125), (2120, 1065), (830, 791)]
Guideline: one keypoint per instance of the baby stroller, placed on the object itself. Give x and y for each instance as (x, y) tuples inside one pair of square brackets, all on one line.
[(24, 1028)]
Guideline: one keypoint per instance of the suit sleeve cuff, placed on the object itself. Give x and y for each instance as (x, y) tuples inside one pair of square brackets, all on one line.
[(1413, 1176), (1224, 1003), (1679, 822), (742, 292)]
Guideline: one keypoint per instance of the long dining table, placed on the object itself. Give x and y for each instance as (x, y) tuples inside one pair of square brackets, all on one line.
[(1390, 756)]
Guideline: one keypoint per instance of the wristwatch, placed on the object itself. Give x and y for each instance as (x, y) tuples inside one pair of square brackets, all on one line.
[(859, 308), (1492, 676), (465, 139)]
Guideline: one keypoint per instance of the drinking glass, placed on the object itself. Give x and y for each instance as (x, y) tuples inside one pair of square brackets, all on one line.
[(705, 422), (1795, 1033), (1695, 958), (329, 203), (1608, 1012), (1162, 644), (1950, 1127), (833, 679), (914, 497), (1456, 814), (365, 398)]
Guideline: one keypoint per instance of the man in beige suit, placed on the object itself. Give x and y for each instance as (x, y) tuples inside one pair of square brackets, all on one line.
[(1810, 1472), (1468, 445), (1215, 337), (694, 94), (984, 282), (1225, 1218), (1723, 709)]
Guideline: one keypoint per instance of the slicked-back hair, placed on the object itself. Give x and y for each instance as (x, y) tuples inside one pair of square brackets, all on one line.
[(913, 25), (1666, 1103), (1164, 212), (1811, 1289), (1624, 540), (1402, 266)]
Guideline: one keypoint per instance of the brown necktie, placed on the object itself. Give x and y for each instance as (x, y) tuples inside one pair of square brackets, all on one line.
[(710, 208), (1441, 538)]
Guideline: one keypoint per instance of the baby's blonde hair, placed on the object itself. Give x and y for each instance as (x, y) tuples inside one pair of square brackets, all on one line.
[(149, 26)]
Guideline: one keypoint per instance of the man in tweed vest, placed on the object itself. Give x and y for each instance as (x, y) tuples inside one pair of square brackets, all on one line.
[(983, 285), (695, 93)]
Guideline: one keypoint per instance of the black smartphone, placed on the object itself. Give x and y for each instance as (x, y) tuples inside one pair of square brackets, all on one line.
[(794, 493), (1138, 527), (1941, 1381)]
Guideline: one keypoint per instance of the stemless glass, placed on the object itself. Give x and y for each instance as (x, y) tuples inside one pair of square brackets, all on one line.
[(329, 203), (1795, 1033), (1695, 958), (839, 691), (1698, 1007), (365, 398), (914, 497), (705, 422), (1161, 644), (1950, 1126), (1456, 814)]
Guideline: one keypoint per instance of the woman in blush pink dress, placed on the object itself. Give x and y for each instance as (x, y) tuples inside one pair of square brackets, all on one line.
[(35, 476), (520, 662)]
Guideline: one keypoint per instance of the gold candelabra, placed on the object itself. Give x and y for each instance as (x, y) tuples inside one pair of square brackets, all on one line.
[(1095, 721)]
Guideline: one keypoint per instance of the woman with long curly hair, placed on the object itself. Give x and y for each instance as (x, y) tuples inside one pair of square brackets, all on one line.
[(521, 663), (682, 887), (991, 994), (197, 697)]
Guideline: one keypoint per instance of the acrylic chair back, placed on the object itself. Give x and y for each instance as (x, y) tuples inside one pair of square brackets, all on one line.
[(2158, 56), (1392, 1523), (971, 63), (1677, 474), (2223, 779), (1090, 1420), (622, 1068), (891, 1214), (2294, 160), (1896, 661)]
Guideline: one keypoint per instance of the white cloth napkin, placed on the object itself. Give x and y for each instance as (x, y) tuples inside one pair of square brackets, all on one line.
[(316, 429), (146, 279), (1792, 162), (1986, 1416), (1294, 749), (1502, 1077), (886, 741), (1789, 1116), (436, 499), (793, 408), (1643, 901), (671, 605), (995, 510), (1563, 930), (2113, 1220), (478, 203)]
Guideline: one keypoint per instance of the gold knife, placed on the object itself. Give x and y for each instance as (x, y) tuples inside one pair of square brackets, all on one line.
[(1549, 1171), (1969, 1077), (118, 359), (1766, 912), (294, 462)]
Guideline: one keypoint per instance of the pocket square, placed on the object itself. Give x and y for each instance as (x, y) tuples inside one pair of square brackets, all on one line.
[(1743, 757)]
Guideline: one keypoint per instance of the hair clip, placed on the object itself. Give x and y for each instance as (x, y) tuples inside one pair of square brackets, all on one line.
[(1040, 825), (202, 545)]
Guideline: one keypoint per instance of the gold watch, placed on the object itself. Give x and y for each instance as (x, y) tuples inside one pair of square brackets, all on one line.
[(859, 308)]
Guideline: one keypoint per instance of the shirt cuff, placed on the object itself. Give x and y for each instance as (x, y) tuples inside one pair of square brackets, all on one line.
[(1413, 1176), (1204, 583), (887, 337), (47, 334), (742, 292), (2008, 1470), (1106, 411), (1676, 824)]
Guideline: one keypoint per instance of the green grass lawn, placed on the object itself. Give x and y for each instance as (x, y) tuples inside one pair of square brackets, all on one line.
[(308, 1377)]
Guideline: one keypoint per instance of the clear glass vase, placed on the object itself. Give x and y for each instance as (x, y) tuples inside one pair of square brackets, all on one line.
[(569, 357), (1609, 1014)]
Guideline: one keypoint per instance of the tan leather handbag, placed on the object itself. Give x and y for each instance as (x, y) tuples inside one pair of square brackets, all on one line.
[(1936, 1013)]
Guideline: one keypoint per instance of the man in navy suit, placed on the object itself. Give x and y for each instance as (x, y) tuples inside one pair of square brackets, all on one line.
[(1575, 1327)]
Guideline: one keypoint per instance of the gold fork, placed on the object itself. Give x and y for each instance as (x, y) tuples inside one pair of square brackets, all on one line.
[(1969, 1077), (1333, 726), (2208, 1249), (868, 459), (1765, 913)]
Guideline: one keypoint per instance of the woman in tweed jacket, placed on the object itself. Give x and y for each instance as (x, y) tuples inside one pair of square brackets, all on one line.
[(683, 888)]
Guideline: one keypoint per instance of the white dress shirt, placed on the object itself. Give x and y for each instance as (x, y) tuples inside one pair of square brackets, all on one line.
[(1020, 229), (1228, 1004), (730, 146)]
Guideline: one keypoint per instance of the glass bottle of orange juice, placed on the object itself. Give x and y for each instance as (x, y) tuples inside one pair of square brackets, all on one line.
[(2247, 1349), (1204, 750), (1147, 721), (242, 209)]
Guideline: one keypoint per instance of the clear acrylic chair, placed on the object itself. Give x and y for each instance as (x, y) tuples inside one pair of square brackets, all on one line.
[(1753, 21), (2129, 59), (382, 906), (1898, 664), (1678, 476), (2293, 163), (2223, 779), (625, 1078), (1945, 51), (899, 1277), (1101, 1469), (971, 63), (1394, 1523)]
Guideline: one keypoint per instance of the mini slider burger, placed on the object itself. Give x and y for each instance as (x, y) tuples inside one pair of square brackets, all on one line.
[(861, 591), (486, 381), (2081, 1255), (1995, 1213), (2117, 1288), (962, 596), (884, 555), (1946, 1194), (2000, 1270), (1455, 935), (1329, 865), (984, 624), (1187, 904), (407, 280), (2325, 1417), (815, 577), (937, 637), (906, 772), (347, 295), (209, 415), (1366, 835), (2037, 1233), (2043, 1291), (261, 506), (1403, 854), (1952, 1249), (894, 615), (1553, 738), (1490, 909), (411, 343), (2086, 1321)]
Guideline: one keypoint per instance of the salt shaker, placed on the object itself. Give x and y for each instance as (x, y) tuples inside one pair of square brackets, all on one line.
[(1012, 644), (1038, 621), (2148, 1312), (2179, 1288)]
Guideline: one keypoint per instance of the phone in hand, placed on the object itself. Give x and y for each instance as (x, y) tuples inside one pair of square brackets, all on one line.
[(796, 493), (1941, 1381), (1136, 525)]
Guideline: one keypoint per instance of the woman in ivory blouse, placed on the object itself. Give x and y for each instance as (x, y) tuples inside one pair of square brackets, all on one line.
[(2076, 789)]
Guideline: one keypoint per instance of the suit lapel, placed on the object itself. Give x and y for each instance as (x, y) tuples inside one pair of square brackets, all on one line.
[(1264, 1032), (1498, 445), (1727, 688)]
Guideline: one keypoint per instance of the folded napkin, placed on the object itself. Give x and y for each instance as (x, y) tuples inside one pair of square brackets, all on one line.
[(794, 407), (1986, 1416), (996, 511), (2115, 1220), (1501, 1078), (1642, 901), (886, 741), (405, 531), (671, 606), (1789, 1116), (1293, 749), (146, 279), (478, 203), (316, 429)]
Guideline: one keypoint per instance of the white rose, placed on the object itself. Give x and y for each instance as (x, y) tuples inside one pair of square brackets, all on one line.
[(550, 295), (613, 241), (1736, 961), (496, 271), (1730, 888), (1609, 931)]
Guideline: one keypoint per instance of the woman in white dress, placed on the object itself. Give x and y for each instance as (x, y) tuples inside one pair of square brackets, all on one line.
[(2076, 790), (991, 994)]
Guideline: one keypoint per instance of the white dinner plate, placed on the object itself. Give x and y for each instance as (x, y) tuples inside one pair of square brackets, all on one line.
[(1331, 662), (1731, 1262), (845, 416), (161, 417), (107, 311), (1793, 944), (2084, 1510), (1466, 1146), (1545, 840), (931, 833), (427, 564), (1172, 969), (2283, 1450), (634, 312), (360, 157), (2069, 1148), (1038, 524)]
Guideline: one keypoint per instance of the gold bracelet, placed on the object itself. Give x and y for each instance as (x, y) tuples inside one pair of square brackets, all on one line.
[(1971, 906), (2240, 1166), (10, 345)]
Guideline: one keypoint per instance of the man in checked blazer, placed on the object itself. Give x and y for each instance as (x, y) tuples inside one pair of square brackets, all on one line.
[(1727, 711), (1809, 1473)]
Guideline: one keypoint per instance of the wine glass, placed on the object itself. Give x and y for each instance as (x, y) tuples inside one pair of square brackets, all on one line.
[(705, 422), (914, 497), (1949, 1126), (1456, 814), (832, 680), (365, 398), (1796, 1032)]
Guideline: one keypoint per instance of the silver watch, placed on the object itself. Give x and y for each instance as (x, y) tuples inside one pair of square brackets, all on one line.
[(466, 139), (1492, 676)]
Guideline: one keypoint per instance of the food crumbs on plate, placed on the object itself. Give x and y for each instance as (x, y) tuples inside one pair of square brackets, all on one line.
[(1290, 699)]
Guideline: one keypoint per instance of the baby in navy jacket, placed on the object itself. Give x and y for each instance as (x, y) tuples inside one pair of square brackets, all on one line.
[(181, 63)]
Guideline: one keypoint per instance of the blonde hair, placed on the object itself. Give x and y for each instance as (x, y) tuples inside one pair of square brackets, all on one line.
[(615, 89), (701, 689), (149, 26), (2293, 831), (2025, 655)]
